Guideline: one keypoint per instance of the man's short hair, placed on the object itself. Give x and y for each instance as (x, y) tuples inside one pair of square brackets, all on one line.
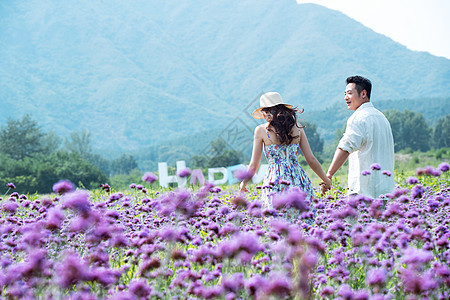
[(361, 83)]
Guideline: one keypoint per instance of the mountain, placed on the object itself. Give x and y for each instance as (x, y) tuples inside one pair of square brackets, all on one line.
[(140, 73)]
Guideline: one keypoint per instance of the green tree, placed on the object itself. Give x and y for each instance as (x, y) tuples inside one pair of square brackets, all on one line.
[(124, 164), (218, 146), (80, 142), (222, 155), (65, 165), (199, 161), (410, 130), (100, 162), (24, 138), (441, 133), (314, 139), (40, 172), (225, 159)]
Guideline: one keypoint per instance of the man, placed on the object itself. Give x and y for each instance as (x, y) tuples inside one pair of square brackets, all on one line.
[(367, 143)]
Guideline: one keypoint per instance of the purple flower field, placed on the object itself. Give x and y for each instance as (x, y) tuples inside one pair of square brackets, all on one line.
[(212, 242)]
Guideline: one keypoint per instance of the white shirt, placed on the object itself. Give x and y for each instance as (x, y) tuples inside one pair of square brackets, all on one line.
[(368, 139)]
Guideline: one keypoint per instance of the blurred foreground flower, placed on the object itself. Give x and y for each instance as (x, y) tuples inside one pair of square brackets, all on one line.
[(63, 186), (78, 201), (184, 172), (149, 177), (243, 174), (444, 167), (295, 198)]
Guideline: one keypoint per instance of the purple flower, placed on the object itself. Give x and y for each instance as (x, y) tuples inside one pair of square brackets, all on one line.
[(345, 291), (63, 186), (417, 191), (365, 173), (345, 212), (184, 172), (412, 180), (280, 226), (105, 276), (387, 173), (55, 217), (365, 295), (133, 186), (71, 270), (78, 201), (212, 292), (115, 196), (294, 236), (149, 265), (428, 170), (11, 185), (139, 288), (233, 283), (228, 228), (327, 291), (10, 207), (376, 277), (149, 177), (416, 256), (444, 167), (106, 187), (113, 214), (393, 209), (241, 243), (255, 283), (215, 189), (375, 166), (293, 198), (414, 283), (243, 174), (279, 285)]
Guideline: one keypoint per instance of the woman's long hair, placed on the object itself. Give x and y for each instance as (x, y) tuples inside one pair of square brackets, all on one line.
[(283, 120)]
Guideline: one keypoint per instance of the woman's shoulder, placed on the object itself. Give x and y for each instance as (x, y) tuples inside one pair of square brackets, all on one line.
[(261, 128)]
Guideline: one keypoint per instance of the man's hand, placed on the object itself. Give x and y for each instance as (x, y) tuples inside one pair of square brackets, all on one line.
[(330, 176)]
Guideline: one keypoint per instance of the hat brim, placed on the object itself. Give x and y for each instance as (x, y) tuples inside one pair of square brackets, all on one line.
[(257, 114)]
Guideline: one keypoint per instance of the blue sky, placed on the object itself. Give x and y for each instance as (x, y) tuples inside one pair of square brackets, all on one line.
[(422, 25)]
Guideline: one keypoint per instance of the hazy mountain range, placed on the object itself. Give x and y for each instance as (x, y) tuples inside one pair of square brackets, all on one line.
[(139, 73)]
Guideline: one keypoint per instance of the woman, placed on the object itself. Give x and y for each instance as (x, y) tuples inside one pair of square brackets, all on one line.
[(281, 138)]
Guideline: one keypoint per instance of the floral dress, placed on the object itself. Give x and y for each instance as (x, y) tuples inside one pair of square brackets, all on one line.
[(284, 171)]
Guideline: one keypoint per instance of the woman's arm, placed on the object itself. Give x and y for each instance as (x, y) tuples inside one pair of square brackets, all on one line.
[(256, 155), (312, 160)]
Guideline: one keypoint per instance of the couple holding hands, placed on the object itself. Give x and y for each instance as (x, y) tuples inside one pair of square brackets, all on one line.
[(367, 143)]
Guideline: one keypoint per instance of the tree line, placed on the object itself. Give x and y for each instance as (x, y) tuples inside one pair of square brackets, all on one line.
[(411, 131), (34, 160)]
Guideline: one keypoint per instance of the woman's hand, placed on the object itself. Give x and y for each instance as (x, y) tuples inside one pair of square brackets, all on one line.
[(243, 187)]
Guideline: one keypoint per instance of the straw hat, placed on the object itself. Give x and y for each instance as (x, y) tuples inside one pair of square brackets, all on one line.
[(268, 100)]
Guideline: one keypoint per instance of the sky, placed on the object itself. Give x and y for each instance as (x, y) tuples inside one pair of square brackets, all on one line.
[(422, 25)]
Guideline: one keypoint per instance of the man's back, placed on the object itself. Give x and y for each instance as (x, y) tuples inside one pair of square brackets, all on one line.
[(370, 133)]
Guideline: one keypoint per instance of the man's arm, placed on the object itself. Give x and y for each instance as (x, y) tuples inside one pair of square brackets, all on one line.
[(340, 156)]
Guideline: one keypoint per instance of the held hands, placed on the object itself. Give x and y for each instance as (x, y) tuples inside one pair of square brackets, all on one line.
[(325, 186)]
